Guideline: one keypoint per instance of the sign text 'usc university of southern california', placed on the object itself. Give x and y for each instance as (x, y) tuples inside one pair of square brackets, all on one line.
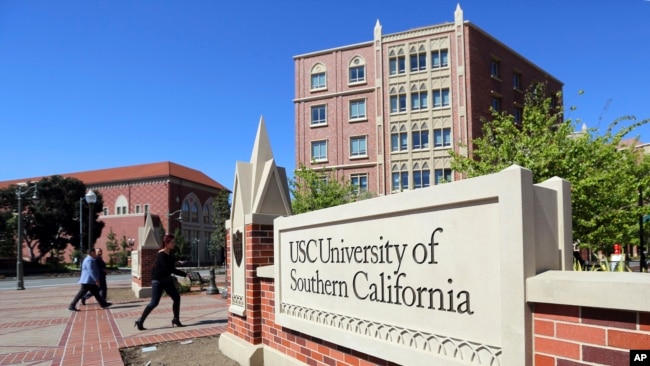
[(389, 285)]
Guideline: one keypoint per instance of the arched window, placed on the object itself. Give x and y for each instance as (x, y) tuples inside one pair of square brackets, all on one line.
[(318, 77), (421, 177), (121, 205), (194, 214), (400, 178), (207, 214), (357, 70)]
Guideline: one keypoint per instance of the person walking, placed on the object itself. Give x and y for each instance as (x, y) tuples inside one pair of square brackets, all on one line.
[(162, 280), (101, 265), (89, 281)]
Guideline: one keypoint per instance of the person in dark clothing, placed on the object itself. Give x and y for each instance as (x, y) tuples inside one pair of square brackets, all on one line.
[(89, 281), (101, 265), (162, 280)]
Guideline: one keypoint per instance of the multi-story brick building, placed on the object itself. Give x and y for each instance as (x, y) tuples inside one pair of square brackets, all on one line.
[(177, 197), (384, 114)]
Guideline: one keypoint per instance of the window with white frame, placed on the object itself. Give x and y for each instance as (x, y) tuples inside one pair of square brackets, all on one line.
[(358, 109), (399, 140), (442, 137), (357, 71), (439, 59), (441, 98), (420, 138), (318, 77), (418, 59), (442, 176), (396, 65), (421, 176), (146, 208), (319, 150), (399, 179), (398, 103), (419, 100), (358, 146), (105, 211), (121, 204), (137, 209), (318, 115), (359, 182)]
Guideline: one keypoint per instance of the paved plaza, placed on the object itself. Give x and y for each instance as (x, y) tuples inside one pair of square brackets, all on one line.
[(37, 329)]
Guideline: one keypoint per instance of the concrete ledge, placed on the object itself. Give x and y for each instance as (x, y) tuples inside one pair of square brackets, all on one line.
[(141, 292), (241, 351), (607, 290), (273, 357), (266, 271)]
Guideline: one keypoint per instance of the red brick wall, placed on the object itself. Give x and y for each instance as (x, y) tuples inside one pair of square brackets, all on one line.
[(258, 326), (572, 335)]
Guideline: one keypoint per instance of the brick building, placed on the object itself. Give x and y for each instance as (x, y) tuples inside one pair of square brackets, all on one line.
[(178, 197), (384, 114)]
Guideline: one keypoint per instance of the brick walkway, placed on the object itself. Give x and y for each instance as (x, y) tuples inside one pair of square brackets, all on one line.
[(37, 329)]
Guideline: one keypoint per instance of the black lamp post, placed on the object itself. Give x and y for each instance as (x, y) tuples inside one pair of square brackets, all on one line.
[(91, 198), (19, 244)]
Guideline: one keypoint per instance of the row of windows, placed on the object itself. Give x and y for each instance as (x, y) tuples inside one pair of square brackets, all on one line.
[(420, 139), (358, 148), (121, 209), (418, 62), (397, 65), (357, 111), (420, 178), (495, 72), (419, 100)]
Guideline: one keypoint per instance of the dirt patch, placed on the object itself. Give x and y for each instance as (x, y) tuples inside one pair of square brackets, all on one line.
[(202, 351), (192, 352)]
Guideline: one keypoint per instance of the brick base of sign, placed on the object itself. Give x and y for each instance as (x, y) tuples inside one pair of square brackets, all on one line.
[(577, 335)]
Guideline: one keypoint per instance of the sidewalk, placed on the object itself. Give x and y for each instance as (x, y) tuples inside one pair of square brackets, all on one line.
[(37, 329)]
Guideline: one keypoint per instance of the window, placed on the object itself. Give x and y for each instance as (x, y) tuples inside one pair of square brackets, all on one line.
[(358, 109), (318, 81), (442, 137), (399, 141), (194, 216), (318, 115), (421, 177), (358, 146), (419, 100), (494, 69), (207, 214), (319, 150), (397, 100), (105, 211), (185, 210), (496, 104), (441, 98), (518, 114), (359, 182), (420, 139), (516, 81), (442, 176), (439, 58), (397, 65), (146, 208), (418, 61), (137, 209), (121, 203), (357, 74), (400, 179)]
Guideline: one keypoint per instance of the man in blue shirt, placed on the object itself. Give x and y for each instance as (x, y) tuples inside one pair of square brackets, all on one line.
[(90, 281)]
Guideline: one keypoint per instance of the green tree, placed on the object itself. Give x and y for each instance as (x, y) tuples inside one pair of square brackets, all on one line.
[(221, 213), (111, 245), (605, 176), (314, 190), (183, 247), (53, 223), (7, 234)]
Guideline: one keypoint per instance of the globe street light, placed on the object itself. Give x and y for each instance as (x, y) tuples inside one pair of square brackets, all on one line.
[(19, 244), (91, 198)]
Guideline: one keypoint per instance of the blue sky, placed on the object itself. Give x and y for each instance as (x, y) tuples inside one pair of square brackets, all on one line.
[(92, 84)]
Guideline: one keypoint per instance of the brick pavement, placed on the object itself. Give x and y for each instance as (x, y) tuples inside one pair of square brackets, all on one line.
[(37, 329)]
